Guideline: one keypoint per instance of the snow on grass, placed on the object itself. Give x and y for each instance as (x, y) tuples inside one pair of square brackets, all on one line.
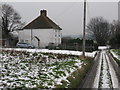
[(34, 68), (115, 53), (68, 52)]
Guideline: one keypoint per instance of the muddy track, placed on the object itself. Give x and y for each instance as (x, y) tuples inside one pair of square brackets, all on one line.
[(90, 76), (105, 80), (104, 73), (115, 66)]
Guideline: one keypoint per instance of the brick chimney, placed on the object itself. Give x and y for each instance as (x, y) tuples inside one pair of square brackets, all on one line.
[(43, 13)]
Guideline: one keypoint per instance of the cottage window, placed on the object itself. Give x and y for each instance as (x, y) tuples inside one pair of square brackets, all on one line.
[(26, 41), (21, 40)]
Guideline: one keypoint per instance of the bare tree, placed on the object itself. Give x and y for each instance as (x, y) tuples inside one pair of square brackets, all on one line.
[(115, 34), (11, 21), (99, 29)]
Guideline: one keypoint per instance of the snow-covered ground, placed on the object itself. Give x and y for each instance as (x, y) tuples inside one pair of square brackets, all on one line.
[(96, 81), (37, 67), (115, 54), (103, 47), (114, 78), (68, 52), (105, 77)]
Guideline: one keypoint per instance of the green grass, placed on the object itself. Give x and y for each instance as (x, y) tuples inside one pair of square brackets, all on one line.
[(77, 76), (117, 51), (118, 61)]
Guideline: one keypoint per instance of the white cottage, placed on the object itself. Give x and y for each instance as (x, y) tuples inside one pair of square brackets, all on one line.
[(41, 32)]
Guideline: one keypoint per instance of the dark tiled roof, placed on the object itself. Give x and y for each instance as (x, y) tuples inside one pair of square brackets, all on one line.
[(42, 22)]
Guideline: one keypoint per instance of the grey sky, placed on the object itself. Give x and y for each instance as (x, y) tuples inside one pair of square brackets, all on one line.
[(69, 15)]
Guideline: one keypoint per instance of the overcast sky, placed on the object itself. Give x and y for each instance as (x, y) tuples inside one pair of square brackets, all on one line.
[(68, 15)]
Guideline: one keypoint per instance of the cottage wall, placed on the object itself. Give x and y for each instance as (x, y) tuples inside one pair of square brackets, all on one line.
[(46, 37)]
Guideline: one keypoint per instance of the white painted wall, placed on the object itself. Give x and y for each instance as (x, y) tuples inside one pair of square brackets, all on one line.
[(58, 35), (46, 36)]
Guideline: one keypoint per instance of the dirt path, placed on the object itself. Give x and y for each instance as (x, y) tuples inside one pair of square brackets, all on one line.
[(103, 74)]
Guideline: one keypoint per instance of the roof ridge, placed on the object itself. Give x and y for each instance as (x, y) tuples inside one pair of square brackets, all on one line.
[(41, 22), (30, 22), (54, 25), (46, 18)]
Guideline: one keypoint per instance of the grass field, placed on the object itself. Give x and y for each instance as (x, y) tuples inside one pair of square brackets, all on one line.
[(117, 51), (22, 69), (116, 55)]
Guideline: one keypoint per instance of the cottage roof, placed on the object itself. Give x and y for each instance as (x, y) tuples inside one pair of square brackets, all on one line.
[(42, 22)]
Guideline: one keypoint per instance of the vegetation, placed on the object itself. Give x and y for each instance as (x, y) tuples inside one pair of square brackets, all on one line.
[(77, 76), (76, 44), (99, 29), (21, 69), (117, 51), (118, 61), (115, 34), (11, 21)]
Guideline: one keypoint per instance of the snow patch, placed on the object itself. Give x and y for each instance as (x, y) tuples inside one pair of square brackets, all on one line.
[(68, 52)]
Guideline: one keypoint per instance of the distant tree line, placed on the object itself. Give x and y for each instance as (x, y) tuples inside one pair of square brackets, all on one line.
[(104, 33), (70, 40), (114, 40), (70, 43)]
